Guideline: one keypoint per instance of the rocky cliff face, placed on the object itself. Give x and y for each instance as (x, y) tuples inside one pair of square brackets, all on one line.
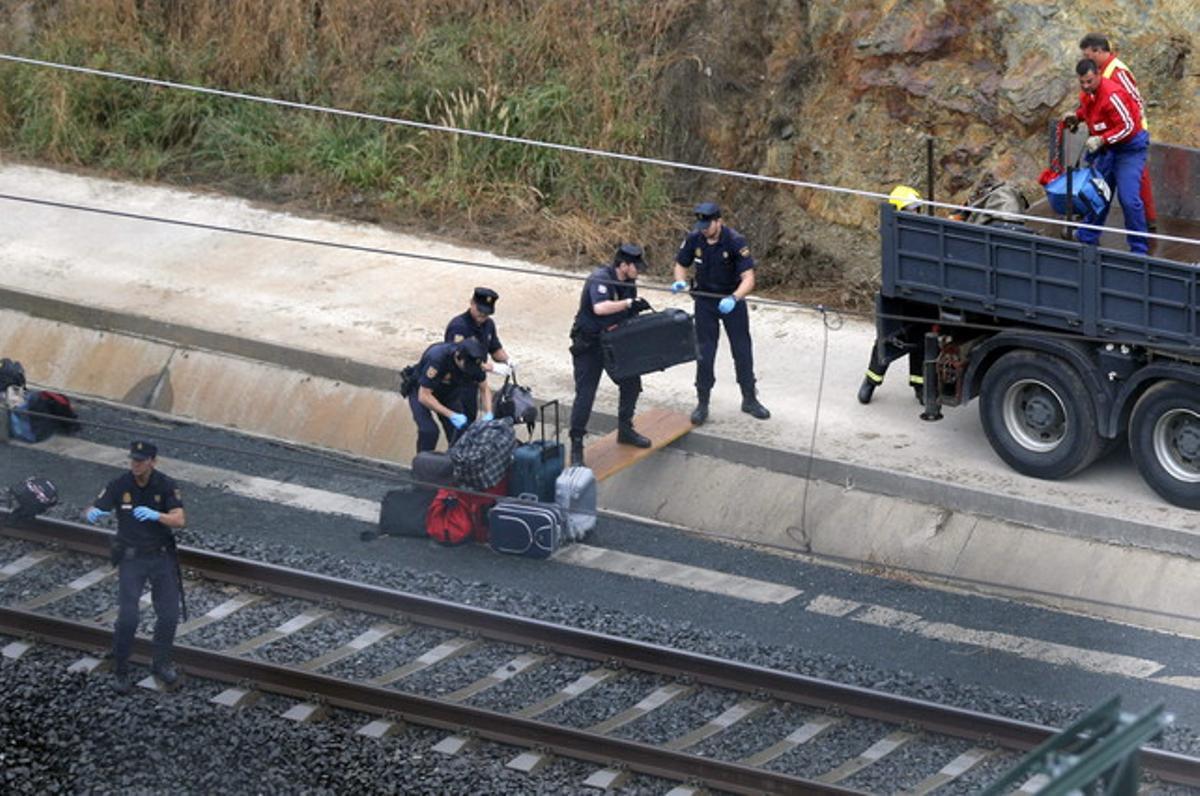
[(846, 93), (839, 92)]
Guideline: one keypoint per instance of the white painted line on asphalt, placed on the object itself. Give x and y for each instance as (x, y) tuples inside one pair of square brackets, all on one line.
[(832, 606), (266, 489), (1029, 648), (318, 500), (1179, 681), (670, 572)]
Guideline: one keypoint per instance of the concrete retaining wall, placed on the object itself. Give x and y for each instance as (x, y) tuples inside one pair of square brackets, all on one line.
[(1079, 568)]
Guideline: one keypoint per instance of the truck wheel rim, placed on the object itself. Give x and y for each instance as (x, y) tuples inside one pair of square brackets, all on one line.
[(1177, 444), (1034, 416)]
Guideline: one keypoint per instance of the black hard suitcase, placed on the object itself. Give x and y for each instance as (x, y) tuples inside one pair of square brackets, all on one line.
[(403, 511), (649, 342)]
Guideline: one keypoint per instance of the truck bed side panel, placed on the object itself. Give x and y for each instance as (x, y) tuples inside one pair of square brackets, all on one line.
[(1039, 281)]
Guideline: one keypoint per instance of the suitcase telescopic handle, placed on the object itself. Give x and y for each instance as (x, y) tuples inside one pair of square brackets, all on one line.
[(557, 428)]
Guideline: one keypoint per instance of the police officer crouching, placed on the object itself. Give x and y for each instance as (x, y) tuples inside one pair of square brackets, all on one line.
[(477, 323), (149, 506), (445, 370), (609, 296), (724, 269)]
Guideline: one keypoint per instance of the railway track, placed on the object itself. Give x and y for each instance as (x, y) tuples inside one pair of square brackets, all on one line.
[(731, 696)]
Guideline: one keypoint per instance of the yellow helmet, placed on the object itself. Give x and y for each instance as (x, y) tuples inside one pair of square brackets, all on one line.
[(902, 196)]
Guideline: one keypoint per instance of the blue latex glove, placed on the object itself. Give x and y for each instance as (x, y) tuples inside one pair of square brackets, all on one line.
[(145, 514), (727, 304), (488, 416), (678, 287), (458, 420), (94, 515)]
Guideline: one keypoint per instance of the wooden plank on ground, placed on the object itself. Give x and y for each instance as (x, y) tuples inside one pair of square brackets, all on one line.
[(662, 426)]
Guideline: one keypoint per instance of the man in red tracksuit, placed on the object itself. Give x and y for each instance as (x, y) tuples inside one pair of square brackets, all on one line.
[(1117, 147), (1097, 48)]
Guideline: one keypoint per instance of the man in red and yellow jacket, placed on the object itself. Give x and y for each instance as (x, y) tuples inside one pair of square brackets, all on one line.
[(1096, 47), (1117, 146)]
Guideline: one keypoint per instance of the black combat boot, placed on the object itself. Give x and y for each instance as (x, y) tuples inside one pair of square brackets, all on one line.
[(121, 682), (166, 673), (577, 452), (752, 407), (627, 436), (700, 413), (866, 391)]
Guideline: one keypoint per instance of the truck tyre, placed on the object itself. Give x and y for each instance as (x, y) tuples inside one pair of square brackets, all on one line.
[(1164, 438), (1038, 415)]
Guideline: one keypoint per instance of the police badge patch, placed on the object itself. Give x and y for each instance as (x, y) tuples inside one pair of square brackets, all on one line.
[(602, 289), (431, 373), (745, 251)]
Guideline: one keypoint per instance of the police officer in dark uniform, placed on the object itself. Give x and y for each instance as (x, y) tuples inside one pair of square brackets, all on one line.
[(477, 323), (722, 265), (444, 371), (149, 506), (609, 296)]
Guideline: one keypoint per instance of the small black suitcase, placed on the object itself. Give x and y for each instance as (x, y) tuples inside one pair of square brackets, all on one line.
[(649, 342), (403, 511)]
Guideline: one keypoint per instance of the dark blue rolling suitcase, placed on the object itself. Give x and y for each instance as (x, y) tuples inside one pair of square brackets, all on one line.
[(524, 527), (537, 464)]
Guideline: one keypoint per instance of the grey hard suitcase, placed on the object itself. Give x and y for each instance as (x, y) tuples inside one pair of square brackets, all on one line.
[(575, 491), (522, 526)]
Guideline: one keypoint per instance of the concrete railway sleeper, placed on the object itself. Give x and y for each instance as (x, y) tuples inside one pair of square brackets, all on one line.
[(716, 697)]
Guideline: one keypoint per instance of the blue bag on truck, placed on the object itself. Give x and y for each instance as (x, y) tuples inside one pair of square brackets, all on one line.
[(1091, 193), (538, 463)]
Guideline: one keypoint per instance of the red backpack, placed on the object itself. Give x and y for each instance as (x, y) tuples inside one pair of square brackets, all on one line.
[(456, 517), (450, 519)]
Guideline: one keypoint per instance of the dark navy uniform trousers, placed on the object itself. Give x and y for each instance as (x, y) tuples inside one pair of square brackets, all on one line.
[(427, 429), (708, 334), (589, 365), (134, 571)]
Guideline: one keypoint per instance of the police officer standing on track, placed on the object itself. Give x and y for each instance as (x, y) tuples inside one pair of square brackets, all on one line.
[(477, 323), (149, 507), (609, 296), (445, 370), (723, 266)]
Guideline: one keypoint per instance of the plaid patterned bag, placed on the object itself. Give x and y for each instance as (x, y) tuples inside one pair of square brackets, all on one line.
[(482, 455)]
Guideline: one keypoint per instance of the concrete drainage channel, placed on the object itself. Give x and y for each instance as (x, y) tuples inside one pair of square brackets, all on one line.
[(909, 526)]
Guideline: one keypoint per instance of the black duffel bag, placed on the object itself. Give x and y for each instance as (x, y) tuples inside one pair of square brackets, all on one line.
[(513, 400)]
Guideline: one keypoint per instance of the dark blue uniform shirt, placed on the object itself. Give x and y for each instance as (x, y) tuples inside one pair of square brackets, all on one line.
[(123, 495), (440, 373), (602, 285), (718, 266), (463, 326)]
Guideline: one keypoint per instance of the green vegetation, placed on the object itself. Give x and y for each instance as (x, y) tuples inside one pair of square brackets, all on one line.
[(556, 71)]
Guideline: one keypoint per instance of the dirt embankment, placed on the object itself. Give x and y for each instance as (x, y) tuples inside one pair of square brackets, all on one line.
[(836, 93)]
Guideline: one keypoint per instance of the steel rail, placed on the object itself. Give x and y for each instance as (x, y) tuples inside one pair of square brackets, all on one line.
[(360, 697), (796, 688)]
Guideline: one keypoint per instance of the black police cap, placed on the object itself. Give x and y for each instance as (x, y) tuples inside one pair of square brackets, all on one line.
[(485, 299), (705, 213), (631, 253), (472, 350), (141, 451)]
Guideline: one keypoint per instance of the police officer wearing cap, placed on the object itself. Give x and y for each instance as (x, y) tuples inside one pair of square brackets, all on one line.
[(445, 370), (609, 296), (721, 264), (149, 507), (477, 323)]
